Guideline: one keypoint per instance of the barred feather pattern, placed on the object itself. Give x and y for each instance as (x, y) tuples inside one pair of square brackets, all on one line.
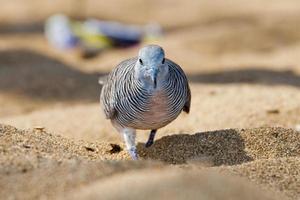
[(128, 104)]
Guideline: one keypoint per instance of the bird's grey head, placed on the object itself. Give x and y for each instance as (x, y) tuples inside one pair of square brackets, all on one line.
[(151, 69)]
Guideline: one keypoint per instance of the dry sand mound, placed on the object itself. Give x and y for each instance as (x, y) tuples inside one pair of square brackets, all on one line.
[(226, 147), (54, 178), (36, 164), (282, 174), (171, 184), (22, 150)]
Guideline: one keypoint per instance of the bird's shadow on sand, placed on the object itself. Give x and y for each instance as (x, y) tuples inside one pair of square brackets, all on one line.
[(224, 147)]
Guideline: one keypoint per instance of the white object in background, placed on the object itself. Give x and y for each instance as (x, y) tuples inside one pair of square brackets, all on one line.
[(59, 33)]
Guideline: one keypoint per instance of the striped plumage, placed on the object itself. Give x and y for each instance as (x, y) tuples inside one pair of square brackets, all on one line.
[(128, 103)]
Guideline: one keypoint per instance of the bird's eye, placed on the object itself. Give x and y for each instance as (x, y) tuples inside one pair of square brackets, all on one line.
[(141, 62), (163, 61)]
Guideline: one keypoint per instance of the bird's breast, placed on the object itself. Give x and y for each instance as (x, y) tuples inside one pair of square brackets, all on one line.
[(159, 111), (158, 105)]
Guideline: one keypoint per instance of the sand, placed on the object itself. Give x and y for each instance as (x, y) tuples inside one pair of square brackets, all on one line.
[(36, 164), (238, 142)]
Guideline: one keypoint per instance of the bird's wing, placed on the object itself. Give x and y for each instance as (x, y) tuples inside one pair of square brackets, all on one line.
[(111, 87), (105, 99), (187, 105)]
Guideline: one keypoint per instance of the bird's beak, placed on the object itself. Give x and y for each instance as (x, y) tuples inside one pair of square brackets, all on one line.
[(154, 73)]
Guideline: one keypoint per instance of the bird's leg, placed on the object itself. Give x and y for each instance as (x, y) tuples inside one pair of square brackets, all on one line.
[(151, 138), (129, 138)]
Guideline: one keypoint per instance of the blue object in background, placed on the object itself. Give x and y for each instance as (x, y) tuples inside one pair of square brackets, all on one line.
[(119, 34)]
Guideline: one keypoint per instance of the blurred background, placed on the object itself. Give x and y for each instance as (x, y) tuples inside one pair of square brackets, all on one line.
[(241, 57)]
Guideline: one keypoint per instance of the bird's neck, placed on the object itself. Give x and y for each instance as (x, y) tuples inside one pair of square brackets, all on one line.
[(149, 87)]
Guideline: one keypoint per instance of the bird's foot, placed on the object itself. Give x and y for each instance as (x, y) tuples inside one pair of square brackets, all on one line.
[(149, 143), (133, 153), (150, 139)]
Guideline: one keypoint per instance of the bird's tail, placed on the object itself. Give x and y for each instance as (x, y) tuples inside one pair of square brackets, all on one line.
[(102, 80)]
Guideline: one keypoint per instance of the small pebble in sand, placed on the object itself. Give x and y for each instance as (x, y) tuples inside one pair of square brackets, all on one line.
[(115, 148), (39, 128), (273, 111), (89, 149)]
